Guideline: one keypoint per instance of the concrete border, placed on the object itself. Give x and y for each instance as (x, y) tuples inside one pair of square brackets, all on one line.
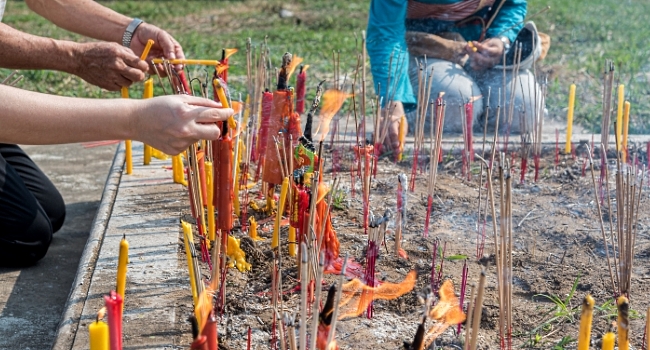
[(71, 316)]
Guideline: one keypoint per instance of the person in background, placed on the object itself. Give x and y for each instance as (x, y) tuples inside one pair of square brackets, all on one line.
[(464, 41), (31, 208)]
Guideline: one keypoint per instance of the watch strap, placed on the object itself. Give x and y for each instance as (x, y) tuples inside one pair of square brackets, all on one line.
[(130, 29)]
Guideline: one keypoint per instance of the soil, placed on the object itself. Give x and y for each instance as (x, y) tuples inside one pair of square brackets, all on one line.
[(557, 247)]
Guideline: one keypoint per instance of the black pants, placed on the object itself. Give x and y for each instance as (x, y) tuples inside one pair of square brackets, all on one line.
[(31, 209)]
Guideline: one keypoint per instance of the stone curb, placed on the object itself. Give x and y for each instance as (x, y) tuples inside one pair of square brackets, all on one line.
[(69, 323)]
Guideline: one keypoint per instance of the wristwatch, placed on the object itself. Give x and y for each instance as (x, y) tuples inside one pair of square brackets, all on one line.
[(130, 29), (506, 43)]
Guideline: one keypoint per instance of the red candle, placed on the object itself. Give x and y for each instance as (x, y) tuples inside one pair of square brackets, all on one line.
[(301, 87), (114, 311)]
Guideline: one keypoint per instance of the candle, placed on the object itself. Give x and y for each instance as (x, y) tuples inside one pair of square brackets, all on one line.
[(98, 333), (301, 80), (608, 341), (626, 125), (189, 239), (114, 311), (128, 156), (623, 323), (619, 116), (125, 94), (252, 230), (175, 174), (569, 118), (403, 128), (123, 259), (293, 247), (210, 183), (148, 93), (585, 323), (278, 217)]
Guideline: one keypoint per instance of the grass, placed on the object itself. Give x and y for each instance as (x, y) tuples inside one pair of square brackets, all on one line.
[(584, 33)]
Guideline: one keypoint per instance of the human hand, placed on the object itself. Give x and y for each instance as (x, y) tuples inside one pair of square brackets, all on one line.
[(172, 123), (434, 46), (395, 113), (487, 54), (108, 65), (165, 46)]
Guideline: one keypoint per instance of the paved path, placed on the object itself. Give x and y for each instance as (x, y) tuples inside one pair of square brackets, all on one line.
[(32, 299)]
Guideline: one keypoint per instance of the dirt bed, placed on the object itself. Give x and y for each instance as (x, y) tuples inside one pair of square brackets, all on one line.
[(557, 246)]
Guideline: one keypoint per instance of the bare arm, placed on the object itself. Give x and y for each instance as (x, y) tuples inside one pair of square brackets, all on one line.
[(169, 123), (86, 17)]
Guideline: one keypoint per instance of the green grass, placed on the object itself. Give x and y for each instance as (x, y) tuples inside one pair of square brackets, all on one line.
[(584, 33)]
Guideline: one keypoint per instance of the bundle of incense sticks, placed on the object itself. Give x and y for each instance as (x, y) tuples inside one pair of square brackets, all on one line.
[(608, 86), (475, 309), (382, 125), (467, 154), (424, 89), (435, 147), (514, 84), (376, 235), (538, 124), (503, 240)]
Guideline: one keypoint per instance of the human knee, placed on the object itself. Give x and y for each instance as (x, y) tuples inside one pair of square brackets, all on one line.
[(518, 109), (456, 87)]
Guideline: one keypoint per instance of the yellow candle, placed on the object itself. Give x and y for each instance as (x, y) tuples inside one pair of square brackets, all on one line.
[(148, 93), (188, 62), (236, 188), (252, 231), (623, 323), (125, 94), (619, 115), (210, 182), (158, 154), (608, 341), (585, 323), (293, 247), (189, 239), (278, 217), (128, 156), (626, 125), (569, 118), (123, 259), (98, 334), (403, 129)]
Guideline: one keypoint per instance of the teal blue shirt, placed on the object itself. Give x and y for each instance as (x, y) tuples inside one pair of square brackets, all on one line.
[(387, 26)]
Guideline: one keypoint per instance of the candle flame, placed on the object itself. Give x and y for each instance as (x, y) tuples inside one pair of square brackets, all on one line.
[(446, 313), (101, 313), (204, 305), (230, 52), (332, 102), (221, 68), (295, 62), (353, 291)]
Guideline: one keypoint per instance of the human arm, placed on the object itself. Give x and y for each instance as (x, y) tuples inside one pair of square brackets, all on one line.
[(89, 18), (507, 24), (168, 123), (386, 37), (107, 65), (509, 21)]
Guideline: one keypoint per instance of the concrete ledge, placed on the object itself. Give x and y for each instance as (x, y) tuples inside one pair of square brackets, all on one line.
[(144, 206), (72, 311)]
